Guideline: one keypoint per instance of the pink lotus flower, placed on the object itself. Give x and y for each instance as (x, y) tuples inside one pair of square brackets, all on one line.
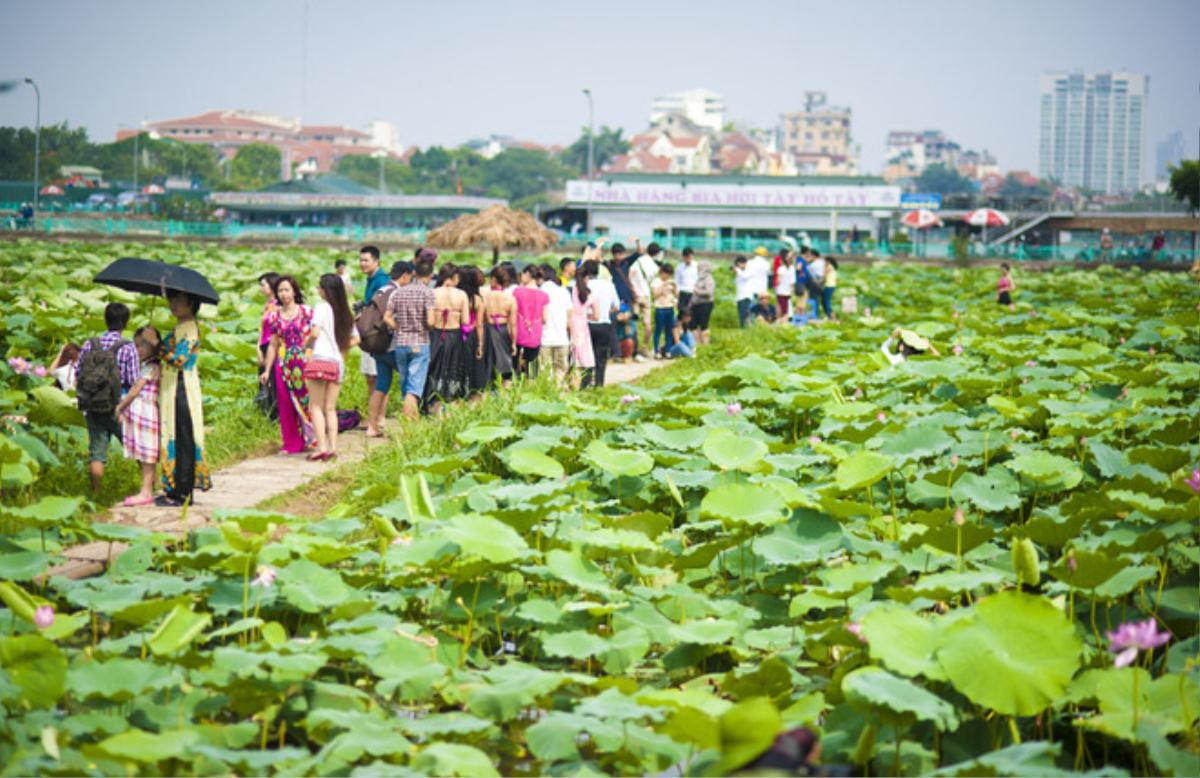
[(1014, 434), (858, 393), (1012, 307), (1082, 389), (629, 399), (855, 629), (881, 417), (954, 314), (265, 578), (866, 311), (813, 440), (1031, 363), (1122, 340), (40, 371), (957, 350), (960, 518), (1150, 351), (43, 617), (1194, 481), (1132, 637), (1083, 440), (1033, 314), (733, 409), (402, 540), (18, 365)]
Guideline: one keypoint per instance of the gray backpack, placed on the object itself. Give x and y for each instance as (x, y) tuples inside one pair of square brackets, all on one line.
[(98, 381)]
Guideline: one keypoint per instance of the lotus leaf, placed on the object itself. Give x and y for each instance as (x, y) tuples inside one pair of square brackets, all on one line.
[(744, 504), (895, 699), (861, 470), (903, 640), (730, 451), (1016, 654)]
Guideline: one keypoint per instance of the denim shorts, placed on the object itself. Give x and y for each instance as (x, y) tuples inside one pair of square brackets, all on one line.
[(101, 427), (411, 364)]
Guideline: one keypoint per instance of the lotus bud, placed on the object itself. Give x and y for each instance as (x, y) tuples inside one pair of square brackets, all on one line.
[(1072, 562), (1194, 481), (858, 393), (959, 517), (1025, 562), (957, 350), (629, 399), (954, 460), (733, 409), (954, 314), (855, 629), (1033, 314), (1031, 363), (43, 617), (1122, 340), (1012, 307), (1014, 434), (866, 311), (40, 371), (813, 440), (1083, 440), (1150, 351), (881, 417)]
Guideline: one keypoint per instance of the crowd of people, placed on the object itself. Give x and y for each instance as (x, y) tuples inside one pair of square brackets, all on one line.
[(440, 333)]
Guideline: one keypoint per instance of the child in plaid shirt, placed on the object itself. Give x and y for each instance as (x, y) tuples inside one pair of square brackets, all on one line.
[(138, 412)]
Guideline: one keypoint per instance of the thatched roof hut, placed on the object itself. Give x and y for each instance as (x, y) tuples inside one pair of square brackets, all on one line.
[(498, 227)]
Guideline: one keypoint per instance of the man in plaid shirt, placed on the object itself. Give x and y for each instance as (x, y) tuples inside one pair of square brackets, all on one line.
[(408, 316), (103, 427)]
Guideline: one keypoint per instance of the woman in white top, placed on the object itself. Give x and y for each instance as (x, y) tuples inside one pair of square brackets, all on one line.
[(332, 333), (785, 282)]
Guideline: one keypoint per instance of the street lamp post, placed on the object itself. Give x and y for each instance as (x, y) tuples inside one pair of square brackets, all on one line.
[(37, 144), (591, 159), (135, 158)]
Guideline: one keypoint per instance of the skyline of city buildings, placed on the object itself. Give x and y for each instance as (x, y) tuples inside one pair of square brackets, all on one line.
[(1092, 129), (701, 107), (1167, 152)]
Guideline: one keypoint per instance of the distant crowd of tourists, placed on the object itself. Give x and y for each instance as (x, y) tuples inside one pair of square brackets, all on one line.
[(439, 333)]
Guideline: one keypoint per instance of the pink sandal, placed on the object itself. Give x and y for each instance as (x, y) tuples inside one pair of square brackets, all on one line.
[(135, 501)]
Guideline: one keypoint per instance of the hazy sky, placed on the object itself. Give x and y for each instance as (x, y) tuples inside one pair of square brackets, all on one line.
[(445, 71)]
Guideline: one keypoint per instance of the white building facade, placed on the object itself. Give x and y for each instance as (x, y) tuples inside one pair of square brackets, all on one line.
[(1093, 128), (704, 108)]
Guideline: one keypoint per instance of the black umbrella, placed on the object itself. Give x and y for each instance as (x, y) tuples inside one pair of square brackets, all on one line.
[(148, 276)]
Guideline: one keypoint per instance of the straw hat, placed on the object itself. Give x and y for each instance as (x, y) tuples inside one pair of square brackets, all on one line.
[(761, 251)]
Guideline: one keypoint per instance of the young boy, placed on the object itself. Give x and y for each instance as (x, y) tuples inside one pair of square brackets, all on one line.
[(108, 366), (665, 294)]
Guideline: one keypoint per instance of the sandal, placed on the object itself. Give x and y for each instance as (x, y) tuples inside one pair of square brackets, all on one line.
[(134, 501), (316, 456), (163, 501)]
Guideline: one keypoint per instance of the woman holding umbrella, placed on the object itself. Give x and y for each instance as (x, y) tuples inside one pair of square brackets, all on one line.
[(180, 404), (180, 409)]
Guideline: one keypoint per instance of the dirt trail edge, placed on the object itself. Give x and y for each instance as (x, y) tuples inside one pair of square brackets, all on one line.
[(245, 485)]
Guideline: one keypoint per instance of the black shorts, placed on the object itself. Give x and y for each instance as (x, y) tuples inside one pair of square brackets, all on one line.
[(701, 312), (1004, 298)]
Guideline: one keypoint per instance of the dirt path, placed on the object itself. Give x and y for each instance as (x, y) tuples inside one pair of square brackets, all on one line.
[(247, 484), (239, 486)]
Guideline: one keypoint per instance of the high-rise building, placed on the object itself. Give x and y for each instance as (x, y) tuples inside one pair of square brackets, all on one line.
[(819, 137), (700, 106), (1093, 128), (1169, 151)]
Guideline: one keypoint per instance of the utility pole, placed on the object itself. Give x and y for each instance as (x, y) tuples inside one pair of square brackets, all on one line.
[(37, 145), (591, 160)]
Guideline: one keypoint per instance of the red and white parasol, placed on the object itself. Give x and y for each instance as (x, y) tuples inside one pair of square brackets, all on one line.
[(986, 217), (921, 218), (152, 189), (51, 189)]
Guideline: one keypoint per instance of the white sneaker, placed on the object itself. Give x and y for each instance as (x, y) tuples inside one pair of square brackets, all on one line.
[(639, 358)]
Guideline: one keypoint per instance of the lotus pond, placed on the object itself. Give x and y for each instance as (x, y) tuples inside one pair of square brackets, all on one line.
[(920, 562)]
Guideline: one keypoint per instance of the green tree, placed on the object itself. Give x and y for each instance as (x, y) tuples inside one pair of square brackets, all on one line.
[(1014, 187), (1185, 183), (60, 145), (256, 165), (398, 177), (943, 180), (515, 174), (608, 145)]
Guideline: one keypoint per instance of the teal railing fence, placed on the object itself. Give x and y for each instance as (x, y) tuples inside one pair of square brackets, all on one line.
[(1083, 247)]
